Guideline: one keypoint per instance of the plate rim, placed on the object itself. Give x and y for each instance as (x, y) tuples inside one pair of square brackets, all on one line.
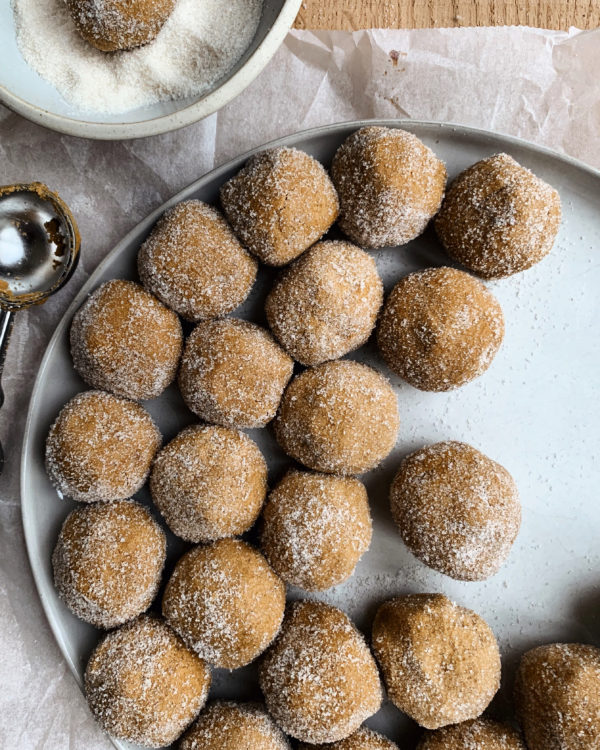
[(204, 107), (150, 219)]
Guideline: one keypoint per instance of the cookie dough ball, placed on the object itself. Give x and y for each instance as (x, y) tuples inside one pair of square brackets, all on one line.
[(326, 303), (482, 734), (225, 602), (113, 25), (319, 679), (125, 341), (233, 373), (498, 218), (209, 482), (364, 739), (440, 662), (338, 418), (108, 561), (316, 527), (280, 204), (440, 328), (456, 509), (143, 685), (193, 262), (233, 726), (100, 448), (390, 185), (557, 695)]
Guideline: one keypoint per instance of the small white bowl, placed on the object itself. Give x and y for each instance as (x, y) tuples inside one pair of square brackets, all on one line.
[(25, 92)]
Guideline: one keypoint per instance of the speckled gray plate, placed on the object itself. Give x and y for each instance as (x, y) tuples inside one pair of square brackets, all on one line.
[(536, 411)]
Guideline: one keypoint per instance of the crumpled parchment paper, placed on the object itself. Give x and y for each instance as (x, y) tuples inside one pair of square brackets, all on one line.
[(539, 85)]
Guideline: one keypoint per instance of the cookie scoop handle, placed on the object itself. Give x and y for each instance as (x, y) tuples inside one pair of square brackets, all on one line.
[(6, 324)]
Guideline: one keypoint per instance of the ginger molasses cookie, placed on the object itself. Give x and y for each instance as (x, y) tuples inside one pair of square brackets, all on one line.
[(478, 734)]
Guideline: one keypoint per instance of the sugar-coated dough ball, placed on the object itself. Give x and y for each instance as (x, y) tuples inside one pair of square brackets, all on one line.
[(319, 679), (456, 509), (144, 685), (363, 739), (111, 25), (478, 734), (339, 418), (209, 482), (233, 373), (326, 303), (108, 561), (125, 341), (557, 696), (224, 725), (315, 528), (498, 218), (440, 328), (440, 662), (280, 204), (194, 264), (100, 447), (389, 184), (225, 602)]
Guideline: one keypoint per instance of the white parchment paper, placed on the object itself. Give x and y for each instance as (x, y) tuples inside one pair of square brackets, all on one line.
[(543, 86)]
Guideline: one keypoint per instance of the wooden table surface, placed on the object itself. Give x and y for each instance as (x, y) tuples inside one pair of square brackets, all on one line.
[(406, 14)]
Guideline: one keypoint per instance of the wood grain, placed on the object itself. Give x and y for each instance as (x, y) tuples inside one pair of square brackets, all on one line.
[(351, 15)]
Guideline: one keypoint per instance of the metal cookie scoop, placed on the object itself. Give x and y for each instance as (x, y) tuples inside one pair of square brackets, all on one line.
[(39, 250)]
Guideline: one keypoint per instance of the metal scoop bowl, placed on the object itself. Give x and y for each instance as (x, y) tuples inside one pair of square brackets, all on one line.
[(39, 250)]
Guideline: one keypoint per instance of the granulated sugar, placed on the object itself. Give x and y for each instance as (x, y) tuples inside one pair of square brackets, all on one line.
[(201, 42)]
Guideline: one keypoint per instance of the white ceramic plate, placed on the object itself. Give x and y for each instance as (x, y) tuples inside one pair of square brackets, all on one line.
[(25, 92), (536, 411)]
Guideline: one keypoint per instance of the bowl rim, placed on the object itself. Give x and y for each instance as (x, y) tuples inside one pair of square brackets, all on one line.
[(207, 105)]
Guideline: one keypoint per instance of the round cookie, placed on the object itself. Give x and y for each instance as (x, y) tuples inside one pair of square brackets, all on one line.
[(456, 509), (315, 528), (319, 678), (125, 341), (224, 725), (108, 561), (498, 218), (194, 264), (225, 602), (113, 25), (100, 448), (482, 734), (233, 373), (389, 185), (280, 204), (440, 328), (339, 418), (557, 696), (326, 303), (143, 685), (209, 482), (440, 662), (364, 739)]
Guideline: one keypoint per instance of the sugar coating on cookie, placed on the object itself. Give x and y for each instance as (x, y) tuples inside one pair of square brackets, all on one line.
[(440, 662), (326, 303), (498, 218), (390, 185), (478, 734), (209, 482), (194, 264), (339, 418), (456, 509), (280, 204), (440, 329), (144, 685), (319, 679), (108, 561), (125, 341), (100, 447), (363, 739)]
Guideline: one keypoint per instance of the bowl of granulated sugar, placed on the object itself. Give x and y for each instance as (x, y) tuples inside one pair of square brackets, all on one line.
[(111, 70)]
